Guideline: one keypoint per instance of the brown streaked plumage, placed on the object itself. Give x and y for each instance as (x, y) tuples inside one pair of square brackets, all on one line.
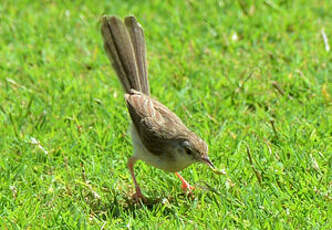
[(159, 137)]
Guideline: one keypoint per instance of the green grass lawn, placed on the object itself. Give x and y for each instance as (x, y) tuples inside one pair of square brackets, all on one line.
[(252, 78)]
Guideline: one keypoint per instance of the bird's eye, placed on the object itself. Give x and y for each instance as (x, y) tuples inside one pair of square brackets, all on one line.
[(188, 151)]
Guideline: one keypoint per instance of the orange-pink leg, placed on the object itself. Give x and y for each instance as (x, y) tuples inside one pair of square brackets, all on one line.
[(138, 195), (186, 187)]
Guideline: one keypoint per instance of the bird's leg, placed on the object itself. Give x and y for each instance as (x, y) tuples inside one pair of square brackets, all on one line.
[(138, 195), (186, 187)]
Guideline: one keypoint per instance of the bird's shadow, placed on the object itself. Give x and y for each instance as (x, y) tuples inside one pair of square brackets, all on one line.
[(116, 204)]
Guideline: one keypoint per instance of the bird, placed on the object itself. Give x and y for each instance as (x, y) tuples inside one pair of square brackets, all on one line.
[(159, 136)]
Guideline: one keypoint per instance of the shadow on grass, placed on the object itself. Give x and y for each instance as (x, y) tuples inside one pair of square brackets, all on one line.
[(116, 205)]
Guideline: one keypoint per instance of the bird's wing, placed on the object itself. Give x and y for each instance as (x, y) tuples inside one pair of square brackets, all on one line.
[(155, 123)]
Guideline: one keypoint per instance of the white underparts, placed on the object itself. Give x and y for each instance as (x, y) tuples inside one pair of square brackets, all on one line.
[(175, 164)]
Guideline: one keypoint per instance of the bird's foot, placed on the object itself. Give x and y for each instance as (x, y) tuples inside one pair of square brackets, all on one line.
[(139, 197), (187, 188)]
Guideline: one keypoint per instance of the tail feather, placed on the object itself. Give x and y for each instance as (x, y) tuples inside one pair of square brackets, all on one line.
[(113, 56), (138, 41), (126, 51)]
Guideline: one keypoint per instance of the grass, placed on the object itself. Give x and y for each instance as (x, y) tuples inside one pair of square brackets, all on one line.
[(252, 78)]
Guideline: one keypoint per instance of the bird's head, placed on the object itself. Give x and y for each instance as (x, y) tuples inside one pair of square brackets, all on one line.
[(196, 150)]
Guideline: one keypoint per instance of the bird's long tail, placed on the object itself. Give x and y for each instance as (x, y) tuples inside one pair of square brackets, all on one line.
[(124, 44)]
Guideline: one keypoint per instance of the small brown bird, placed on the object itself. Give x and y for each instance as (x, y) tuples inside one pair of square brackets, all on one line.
[(159, 136)]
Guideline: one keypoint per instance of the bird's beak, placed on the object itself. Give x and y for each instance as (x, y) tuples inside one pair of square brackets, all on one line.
[(206, 160)]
